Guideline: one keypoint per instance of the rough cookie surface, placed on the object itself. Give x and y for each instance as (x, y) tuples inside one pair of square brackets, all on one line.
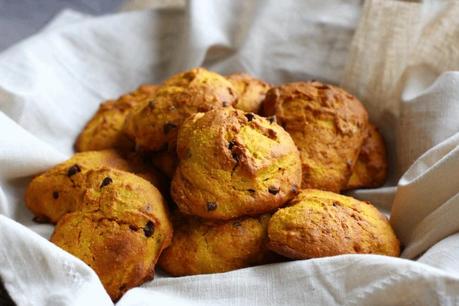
[(104, 129), (154, 127), (122, 251), (59, 190), (250, 91), (327, 124), (370, 170), (203, 246), (320, 223), (119, 226), (232, 164)]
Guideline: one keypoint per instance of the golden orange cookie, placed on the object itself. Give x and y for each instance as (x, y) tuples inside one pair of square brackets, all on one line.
[(370, 170), (58, 191), (120, 228), (154, 127), (104, 129), (203, 246), (250, 91), (328, 126), (120, 191), (233, 164), (321, 223)]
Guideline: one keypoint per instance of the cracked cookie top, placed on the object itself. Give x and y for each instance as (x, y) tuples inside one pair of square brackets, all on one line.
[(328, 126), (57, 191), (321, 223), (232, 164), (154, 127), (118, 226), (60, 190)]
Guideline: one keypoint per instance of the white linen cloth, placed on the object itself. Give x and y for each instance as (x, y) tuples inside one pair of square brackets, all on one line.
[(397, 63)]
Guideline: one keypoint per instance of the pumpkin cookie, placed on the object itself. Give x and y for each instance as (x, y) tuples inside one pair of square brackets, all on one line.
[(104, 129), (328, 126), (203, 246), (320, 223), (370, 171), (154, 126), (120, 228), (58, 191), (249, 90), (232, 164)]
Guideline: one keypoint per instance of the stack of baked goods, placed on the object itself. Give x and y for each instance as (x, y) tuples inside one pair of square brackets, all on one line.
[(205, 173)]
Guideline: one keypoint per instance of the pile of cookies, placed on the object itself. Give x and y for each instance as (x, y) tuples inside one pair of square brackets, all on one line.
[(205, 173)]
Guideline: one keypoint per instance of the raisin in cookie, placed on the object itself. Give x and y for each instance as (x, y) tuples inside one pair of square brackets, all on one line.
[(232, 164)]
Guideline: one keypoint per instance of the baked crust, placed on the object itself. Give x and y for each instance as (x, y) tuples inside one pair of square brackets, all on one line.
[(320, 223), (203, 246), (119, 229), (154, 127), (250, 91), (328, 126), (60, 190), (233, 164), (370, 170), (104, 129)]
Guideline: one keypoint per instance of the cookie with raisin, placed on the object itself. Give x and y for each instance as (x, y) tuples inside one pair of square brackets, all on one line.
[(233, 164), (120, 228), (154, 127)]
